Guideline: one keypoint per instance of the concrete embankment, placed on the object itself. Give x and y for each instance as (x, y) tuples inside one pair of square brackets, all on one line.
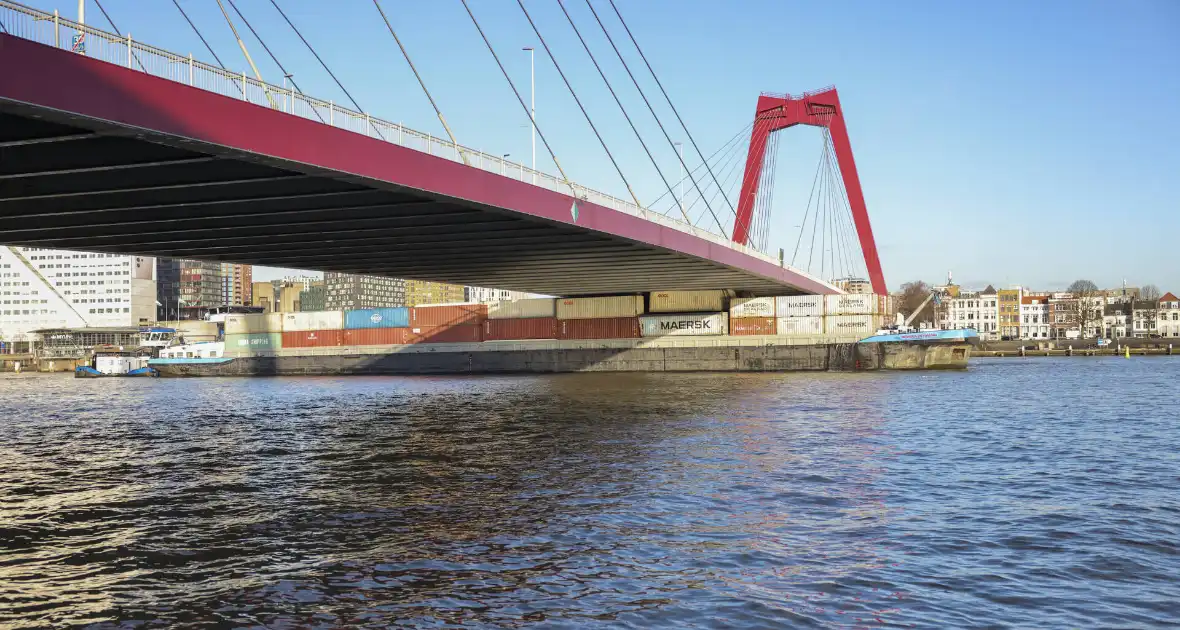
[(728, 354), (1076, 348)]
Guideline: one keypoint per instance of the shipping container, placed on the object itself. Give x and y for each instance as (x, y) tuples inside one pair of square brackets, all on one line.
[(851, 325), (687, 301), (376, 336), (752, 325), (852, 304), (684, 325), (313, 320), (465, 333), (312, 338), (520, 309), (242, 324), (448, 315), (799, 306), (392, 317), (524, 328), (805, 326), (600, 307), (598, 328), (251, 342), (751, 307)]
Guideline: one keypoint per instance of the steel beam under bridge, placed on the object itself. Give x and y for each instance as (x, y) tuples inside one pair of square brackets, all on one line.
[(98, 157)]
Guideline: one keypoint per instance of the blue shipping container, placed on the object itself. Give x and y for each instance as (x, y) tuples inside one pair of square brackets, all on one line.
[(391, 317)]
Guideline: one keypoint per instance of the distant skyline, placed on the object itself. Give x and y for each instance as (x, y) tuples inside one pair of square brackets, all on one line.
[(1031, 143)]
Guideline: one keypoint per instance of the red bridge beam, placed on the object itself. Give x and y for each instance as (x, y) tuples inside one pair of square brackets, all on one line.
[(820, 109)]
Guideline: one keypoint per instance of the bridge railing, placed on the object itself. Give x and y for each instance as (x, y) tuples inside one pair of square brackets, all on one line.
[(52, 29)]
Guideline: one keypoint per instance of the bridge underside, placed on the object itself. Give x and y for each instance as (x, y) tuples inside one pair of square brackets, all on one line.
[(113, 160)]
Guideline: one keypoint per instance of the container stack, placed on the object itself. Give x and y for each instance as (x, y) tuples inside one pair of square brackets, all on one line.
[(377, 326), (685, 314), (253, 332), (613, 317), (521, 319), (799, 315), (313, 329), (447, 323), (752, 316), (852, 314)]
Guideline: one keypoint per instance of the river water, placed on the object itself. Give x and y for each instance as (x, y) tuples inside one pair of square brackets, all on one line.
[(1034, 493)]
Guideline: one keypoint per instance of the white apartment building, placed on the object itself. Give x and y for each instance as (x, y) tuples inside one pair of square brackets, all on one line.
[(55, 288), (978, 311), (484, 295), (1034, 317), (1169, 316)]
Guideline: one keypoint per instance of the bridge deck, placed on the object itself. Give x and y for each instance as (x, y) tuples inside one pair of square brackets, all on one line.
[(94, 156)]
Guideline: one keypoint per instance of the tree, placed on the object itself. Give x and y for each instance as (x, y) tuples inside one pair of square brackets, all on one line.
[(912, 296), (1150, 292), (1086, 307)]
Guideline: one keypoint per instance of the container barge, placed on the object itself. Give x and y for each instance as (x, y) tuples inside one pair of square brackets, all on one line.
[(667, 331)]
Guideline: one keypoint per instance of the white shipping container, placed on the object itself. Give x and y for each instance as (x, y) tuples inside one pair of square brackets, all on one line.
[(799, 306), (687, 301), (800, 326), (236, 324), (313, 320), (851, 325), (752, 307), (853, 304), (522, 309), (600, 307), (684, 324)]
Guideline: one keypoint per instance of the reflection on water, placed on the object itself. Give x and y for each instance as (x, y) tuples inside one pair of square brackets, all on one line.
[(1023, 494)]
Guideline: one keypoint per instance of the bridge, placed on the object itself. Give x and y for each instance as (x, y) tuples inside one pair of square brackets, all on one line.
[(133, 149)]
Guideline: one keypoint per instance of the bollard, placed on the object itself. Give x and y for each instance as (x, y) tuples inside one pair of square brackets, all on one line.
[(1069, 351)]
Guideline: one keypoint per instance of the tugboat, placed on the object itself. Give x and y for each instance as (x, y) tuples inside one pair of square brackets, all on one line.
[(115, 361)]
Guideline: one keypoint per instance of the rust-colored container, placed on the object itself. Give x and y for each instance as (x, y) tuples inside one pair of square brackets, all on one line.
[(599, 328), (449, 315), (445, 334), (751, 326), (376, 336), (531, 328), (312, 338)]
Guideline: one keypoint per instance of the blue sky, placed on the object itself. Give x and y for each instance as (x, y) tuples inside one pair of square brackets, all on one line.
[(1011, 142)]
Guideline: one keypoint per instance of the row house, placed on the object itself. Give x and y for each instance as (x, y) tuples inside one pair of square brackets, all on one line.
[(1169, 316), (978, 311), (1034, 317), (1009, 301), (1116, 320), (1144, 318)]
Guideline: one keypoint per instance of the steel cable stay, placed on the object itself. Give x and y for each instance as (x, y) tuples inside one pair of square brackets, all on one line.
[(316, 55), (618, 102), (731, 162), (761, 228), (422, 84), (286, 75), (652, 110), (106, 15), (198, 32), (732, 158), (841, 233), (577, 100), (767, 120), (807, 209), (246, 53), (846, 216), (730, 145), (667, 98), (528, 113), (731, 178), (815, 222)]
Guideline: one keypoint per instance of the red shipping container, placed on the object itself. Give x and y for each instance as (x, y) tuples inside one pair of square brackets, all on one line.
[(445, 334), (453, 315), (751, 326), (312, 338), (531, 328), (376, 336), (599, 328)]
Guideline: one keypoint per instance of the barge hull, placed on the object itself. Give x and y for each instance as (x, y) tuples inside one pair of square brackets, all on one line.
[(637, 357)]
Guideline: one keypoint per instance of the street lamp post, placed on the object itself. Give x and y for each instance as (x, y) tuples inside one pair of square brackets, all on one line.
[(533, 106), (503, 160)]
